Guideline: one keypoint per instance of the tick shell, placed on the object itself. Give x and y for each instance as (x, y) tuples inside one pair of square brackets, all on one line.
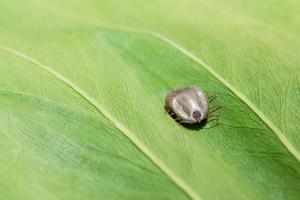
[(190, 104)]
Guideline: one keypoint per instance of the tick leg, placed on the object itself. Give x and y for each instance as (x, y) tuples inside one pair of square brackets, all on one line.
[(211, 126), (214, 108), (169, 111), (211, 98), (212, 118), (179, 120)]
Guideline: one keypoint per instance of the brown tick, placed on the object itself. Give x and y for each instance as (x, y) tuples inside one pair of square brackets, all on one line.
[(190, 105)]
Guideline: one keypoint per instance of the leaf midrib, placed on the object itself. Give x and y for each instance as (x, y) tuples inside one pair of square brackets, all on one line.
[(134, 139)]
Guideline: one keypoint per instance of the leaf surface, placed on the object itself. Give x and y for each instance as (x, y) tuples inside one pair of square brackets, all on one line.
[(82, 105)]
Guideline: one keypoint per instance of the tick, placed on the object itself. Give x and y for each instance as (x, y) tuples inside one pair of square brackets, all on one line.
[(190, 105)]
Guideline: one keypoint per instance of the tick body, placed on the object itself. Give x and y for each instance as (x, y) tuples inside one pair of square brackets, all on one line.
[(188, 105)]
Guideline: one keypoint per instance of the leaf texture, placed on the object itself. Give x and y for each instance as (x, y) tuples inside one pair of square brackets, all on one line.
[(82, 102)]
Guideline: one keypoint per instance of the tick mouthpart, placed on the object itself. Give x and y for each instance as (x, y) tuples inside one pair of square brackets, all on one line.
[(197, 116)]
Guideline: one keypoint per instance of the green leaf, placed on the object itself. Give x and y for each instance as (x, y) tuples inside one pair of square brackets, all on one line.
[(82, 88)]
